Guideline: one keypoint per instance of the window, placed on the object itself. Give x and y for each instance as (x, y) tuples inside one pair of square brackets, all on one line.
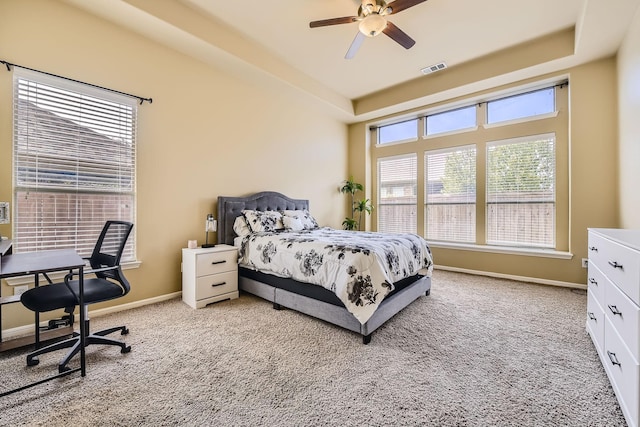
[(74, 163), (450, 121), (502, 188), (521, 192), (450, 199), (519, 106), (397, 132), (397, 197)]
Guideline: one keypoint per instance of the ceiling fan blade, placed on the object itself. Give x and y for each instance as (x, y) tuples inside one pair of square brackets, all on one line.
[(398, 35), (333, 21), (355, 45), (400, 5)]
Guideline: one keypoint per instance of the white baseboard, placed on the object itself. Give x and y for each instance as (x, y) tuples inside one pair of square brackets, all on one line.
[(28, 329), (512, 277)]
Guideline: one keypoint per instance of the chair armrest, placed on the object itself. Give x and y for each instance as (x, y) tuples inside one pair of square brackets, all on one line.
[(70, 275)]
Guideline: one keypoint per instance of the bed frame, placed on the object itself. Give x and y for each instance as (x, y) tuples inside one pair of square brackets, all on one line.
[(229, 208)]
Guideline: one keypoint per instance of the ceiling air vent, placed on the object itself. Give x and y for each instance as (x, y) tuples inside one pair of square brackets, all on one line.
[(433, 68)]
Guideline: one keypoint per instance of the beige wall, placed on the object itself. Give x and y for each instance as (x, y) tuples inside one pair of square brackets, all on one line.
[(629, 120), (592, 165), (207, 133)]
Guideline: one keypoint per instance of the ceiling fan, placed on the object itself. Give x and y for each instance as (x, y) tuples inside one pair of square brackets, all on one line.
[(371, 15)]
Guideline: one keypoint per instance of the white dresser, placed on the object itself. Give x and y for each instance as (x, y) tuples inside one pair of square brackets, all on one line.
[(613, 311), (209, 275)]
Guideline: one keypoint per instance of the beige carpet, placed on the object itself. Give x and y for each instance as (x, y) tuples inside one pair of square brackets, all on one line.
[(476, 352)]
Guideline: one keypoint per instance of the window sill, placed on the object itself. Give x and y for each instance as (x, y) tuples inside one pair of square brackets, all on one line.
[(541, 253), (58, 276)]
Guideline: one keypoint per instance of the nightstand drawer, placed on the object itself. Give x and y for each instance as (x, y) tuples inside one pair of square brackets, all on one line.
[(216, 262), (619, 263), (216, 284)]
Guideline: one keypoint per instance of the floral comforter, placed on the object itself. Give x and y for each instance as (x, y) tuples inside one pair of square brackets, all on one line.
[(359, 267)]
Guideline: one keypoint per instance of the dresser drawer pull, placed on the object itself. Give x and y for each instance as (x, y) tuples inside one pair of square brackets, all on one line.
[(213, 285), (592, 316), (613, 358), (593, 281), (615, 264), (593, 248), (219, 262), (615, 310)]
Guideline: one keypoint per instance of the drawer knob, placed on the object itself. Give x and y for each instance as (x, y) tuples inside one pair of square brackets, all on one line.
[(219, 262), (615, 264), (213, 285), (613, 358), (592, 316), (593, 249), (593, 281), (615, 310)]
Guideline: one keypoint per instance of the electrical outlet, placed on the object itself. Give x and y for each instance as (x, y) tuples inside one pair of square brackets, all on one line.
[(19, 290), (585, 262)]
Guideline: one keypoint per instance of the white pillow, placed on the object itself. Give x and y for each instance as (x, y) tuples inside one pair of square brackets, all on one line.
[(303, 215), (240, 226), (292, 224), (263, 221)]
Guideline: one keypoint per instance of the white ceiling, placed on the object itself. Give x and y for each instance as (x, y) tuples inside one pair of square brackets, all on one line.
[(273, 39)]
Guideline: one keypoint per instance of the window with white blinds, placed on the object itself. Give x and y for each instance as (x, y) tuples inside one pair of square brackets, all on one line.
[(521, 192), (74, 163), (450, 194), (397, 194)]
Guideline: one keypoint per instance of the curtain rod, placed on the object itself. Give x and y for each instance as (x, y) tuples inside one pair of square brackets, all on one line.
[(9, 65)]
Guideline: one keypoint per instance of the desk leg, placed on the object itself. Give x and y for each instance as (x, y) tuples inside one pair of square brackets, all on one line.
[(37, 314), (83, 326)]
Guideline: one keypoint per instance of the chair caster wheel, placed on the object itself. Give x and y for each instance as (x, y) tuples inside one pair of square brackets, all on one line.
[(126, 349), (125, 331), (32, 362)]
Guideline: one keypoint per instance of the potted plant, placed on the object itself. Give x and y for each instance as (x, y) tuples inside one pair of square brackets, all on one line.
[(351, 187)]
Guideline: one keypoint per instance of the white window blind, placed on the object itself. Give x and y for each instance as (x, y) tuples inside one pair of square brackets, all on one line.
[(450, 200), (74, 163), (397, 191), (521, 192)]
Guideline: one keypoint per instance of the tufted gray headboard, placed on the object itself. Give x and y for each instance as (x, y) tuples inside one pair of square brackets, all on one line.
[(229, 208)]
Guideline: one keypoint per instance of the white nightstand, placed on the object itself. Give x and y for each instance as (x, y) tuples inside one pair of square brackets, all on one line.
[(209, 275)]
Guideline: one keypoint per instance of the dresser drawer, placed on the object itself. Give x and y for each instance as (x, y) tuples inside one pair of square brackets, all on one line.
[(216, 284), (595, 321), (624, 316), (619, 263), (595, 281), (216, 262), (624, 373)]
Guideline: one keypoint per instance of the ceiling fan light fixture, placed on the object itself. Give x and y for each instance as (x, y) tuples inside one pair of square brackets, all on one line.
[(372, 25)]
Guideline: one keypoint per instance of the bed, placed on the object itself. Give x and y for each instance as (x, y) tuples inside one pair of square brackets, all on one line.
[(320, 300)]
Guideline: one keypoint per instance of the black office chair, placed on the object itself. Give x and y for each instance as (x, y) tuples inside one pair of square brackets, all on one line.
[(109, 283)]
